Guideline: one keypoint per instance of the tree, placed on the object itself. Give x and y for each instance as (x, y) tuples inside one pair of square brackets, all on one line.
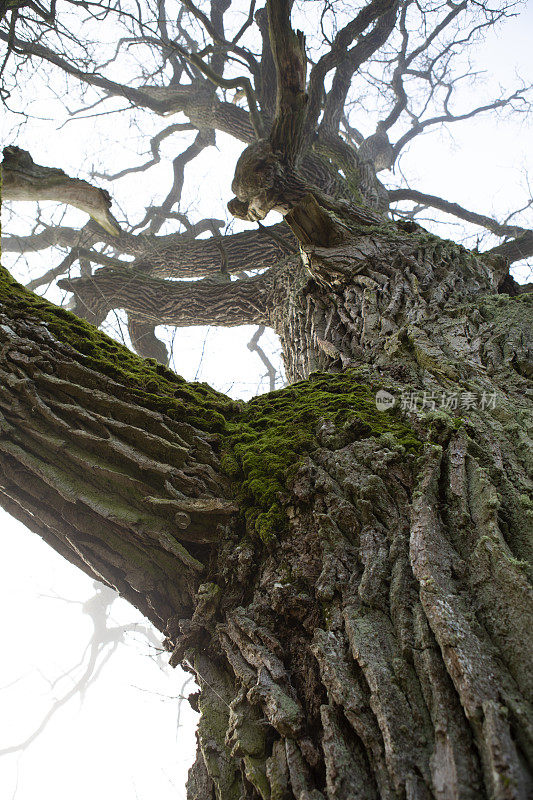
[(342, 564)]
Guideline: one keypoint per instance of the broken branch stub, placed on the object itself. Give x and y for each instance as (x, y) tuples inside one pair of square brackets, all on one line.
[(23, 179)]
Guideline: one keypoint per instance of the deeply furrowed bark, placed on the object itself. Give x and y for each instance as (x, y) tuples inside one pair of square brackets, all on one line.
[(360, 628), (382, 646), (88, 460), (348, 582), (210, 300)]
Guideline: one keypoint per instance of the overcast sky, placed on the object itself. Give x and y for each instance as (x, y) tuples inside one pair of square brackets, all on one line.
[(121, 739)]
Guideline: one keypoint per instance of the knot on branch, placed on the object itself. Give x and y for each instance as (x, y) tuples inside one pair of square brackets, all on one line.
[(264, 181)]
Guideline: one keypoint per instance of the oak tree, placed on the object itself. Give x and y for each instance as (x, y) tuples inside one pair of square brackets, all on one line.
[(343, 564)]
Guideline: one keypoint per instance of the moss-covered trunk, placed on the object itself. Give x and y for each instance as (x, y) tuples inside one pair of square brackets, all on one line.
[(368, 635), (347, 580)]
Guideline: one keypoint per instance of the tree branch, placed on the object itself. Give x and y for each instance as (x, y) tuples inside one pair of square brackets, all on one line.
[(180, 257), (144, 340), (350, 62), (124, 487), (25, 180), (515, 249), (288, 50), (337, 53), (265, 82), (201, 107), (177, 255), (396, 195), (254, 347), (156, 215), (218, 35), (404, 60), (51, 236), (241, 82), (418, 126), (210, 301), (155, 142)]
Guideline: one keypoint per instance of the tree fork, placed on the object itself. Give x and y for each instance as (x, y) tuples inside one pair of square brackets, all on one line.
[(349, 585), (359, 627)]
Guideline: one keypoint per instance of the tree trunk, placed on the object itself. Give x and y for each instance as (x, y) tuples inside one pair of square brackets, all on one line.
[(380, 646), (348, 581)]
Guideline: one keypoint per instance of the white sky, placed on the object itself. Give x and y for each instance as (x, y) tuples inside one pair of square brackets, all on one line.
[(123, 741)]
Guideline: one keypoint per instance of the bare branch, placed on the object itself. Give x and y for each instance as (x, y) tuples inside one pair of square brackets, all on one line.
[(155, 142), (515, 249), (518, 247), (25, 180), (254, 346), (144, 340), (54, 273), (218, 37), (338, 51), (180, 303), (396, 195), (288, 50), (177, 255), (246, 24), (177, 67), (350, 62), (241, 82), (51, 236), (266, 81), (202, 108), (174, 257), (157, 215), (448, 116), (104, 641), (135, 96), (404, 60)]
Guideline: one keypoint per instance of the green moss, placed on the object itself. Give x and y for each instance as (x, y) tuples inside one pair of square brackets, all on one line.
[(262, 441), (503, 309), (275, 431), (149, 383)]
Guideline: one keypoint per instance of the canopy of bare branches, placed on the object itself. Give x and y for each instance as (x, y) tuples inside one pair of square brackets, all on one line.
[(329, 111)]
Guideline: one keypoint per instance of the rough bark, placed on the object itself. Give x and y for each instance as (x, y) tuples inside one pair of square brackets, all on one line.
[(216, 300), (380, 645), (171, 256), (348, 585), (349, 582), (112, 461)]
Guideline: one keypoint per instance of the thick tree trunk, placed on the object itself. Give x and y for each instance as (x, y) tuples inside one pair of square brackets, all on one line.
[(380, 645), (348, 583), (344, 564)]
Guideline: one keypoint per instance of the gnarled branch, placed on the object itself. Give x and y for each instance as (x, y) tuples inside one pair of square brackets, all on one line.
[(23, 179)]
